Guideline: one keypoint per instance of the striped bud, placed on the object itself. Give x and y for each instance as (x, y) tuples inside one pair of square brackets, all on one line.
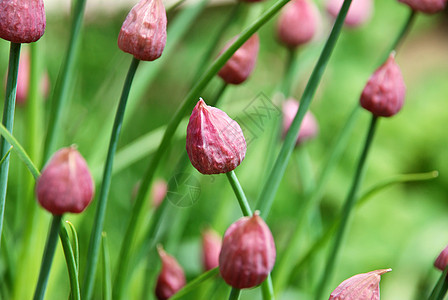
[(171, 278), (442, 260)]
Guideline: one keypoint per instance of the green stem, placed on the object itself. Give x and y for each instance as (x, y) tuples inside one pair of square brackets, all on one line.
[(95, 238), (235, 294), (440, 289), (186, 106), (8, 121), (346, 212), (402, 34), (47, 259), (242, 200), (270, 189), (64, 80), (289, 72), (107, 282), (71, 263)]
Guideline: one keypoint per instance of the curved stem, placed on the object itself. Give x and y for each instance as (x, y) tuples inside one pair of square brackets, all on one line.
[(47, 259), (95, 238), (71, 263), (242, 200), (346, 212)]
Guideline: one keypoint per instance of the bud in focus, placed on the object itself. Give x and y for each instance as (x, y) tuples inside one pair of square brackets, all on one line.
[(384, 93), (211, 247), (215, 142), (442, 260), (143, 33), (65, 184), (309, 127), (364, 286), (358, 13), (248, 253), (426, 6), (171, 278)]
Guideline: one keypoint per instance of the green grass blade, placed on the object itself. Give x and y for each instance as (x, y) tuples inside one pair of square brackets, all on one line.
[(70, 259)]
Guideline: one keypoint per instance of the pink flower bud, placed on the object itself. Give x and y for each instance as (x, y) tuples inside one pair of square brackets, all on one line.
[(143, 33), (358, 13), (22, 21), (211, 247), (364, 286), (241, 64), (65, 184), (297, 23), (215, 142), (171, 278), (309, 127), (384, 93), (426, 6), (158, 192), (442, 260), (248, 253)]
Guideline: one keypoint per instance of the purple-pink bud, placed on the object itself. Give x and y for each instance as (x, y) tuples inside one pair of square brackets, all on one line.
[(22, 21), (364, 286), (248, 253), (241, 64), (384, 93), (426, 6), (211, 247), (358, 13), (158, 192), (309, 127), (143, 33), (171, 278), (215, 142), (65, 184), (297, 23), (442, 260)]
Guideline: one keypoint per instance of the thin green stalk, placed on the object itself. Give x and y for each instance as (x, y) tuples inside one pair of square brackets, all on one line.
[(71, 263), (440, 289), (47, 258), (291, 61), (75, 246), (107, 281), (270, 189), (242, 200), (65, 79), (195, 283), (346, 212), (95, 238), (186, 106), (402, 34), (8, 121), (235, 294)]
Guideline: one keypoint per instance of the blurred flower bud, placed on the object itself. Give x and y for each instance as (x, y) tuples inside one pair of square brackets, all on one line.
[(309, 127), (358, 13), (248, 253), (143, 33), (384, 93), (211, 246), (297, 23), (442, 260), (158, 192), (238, 68), (364, 286), (426, 6), (22, 21), (65, 184), (215, 142), (171, 278)]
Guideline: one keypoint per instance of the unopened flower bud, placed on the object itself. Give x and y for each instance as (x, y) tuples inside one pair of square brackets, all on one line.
[(248, 253), (143, 33), (22, 21), (442, 260), (215, 142), (426, 6), (384, 93), (309, 127), (364, 286), (297, 23), (238, 68), (211, 247), (171, 278), (158, 192), (65, 184), (358, 13)]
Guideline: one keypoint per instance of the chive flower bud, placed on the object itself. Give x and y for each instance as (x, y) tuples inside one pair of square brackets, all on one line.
[(364, 286), (426, 6), (171, 278), (158, 192), (442, 260), (297, 23), (248, 253), (238, 68), (359, 12), (65, 184), (384, 92), (143, 33), (211, 247), (215, 142), (22, 21), (309, 127)]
